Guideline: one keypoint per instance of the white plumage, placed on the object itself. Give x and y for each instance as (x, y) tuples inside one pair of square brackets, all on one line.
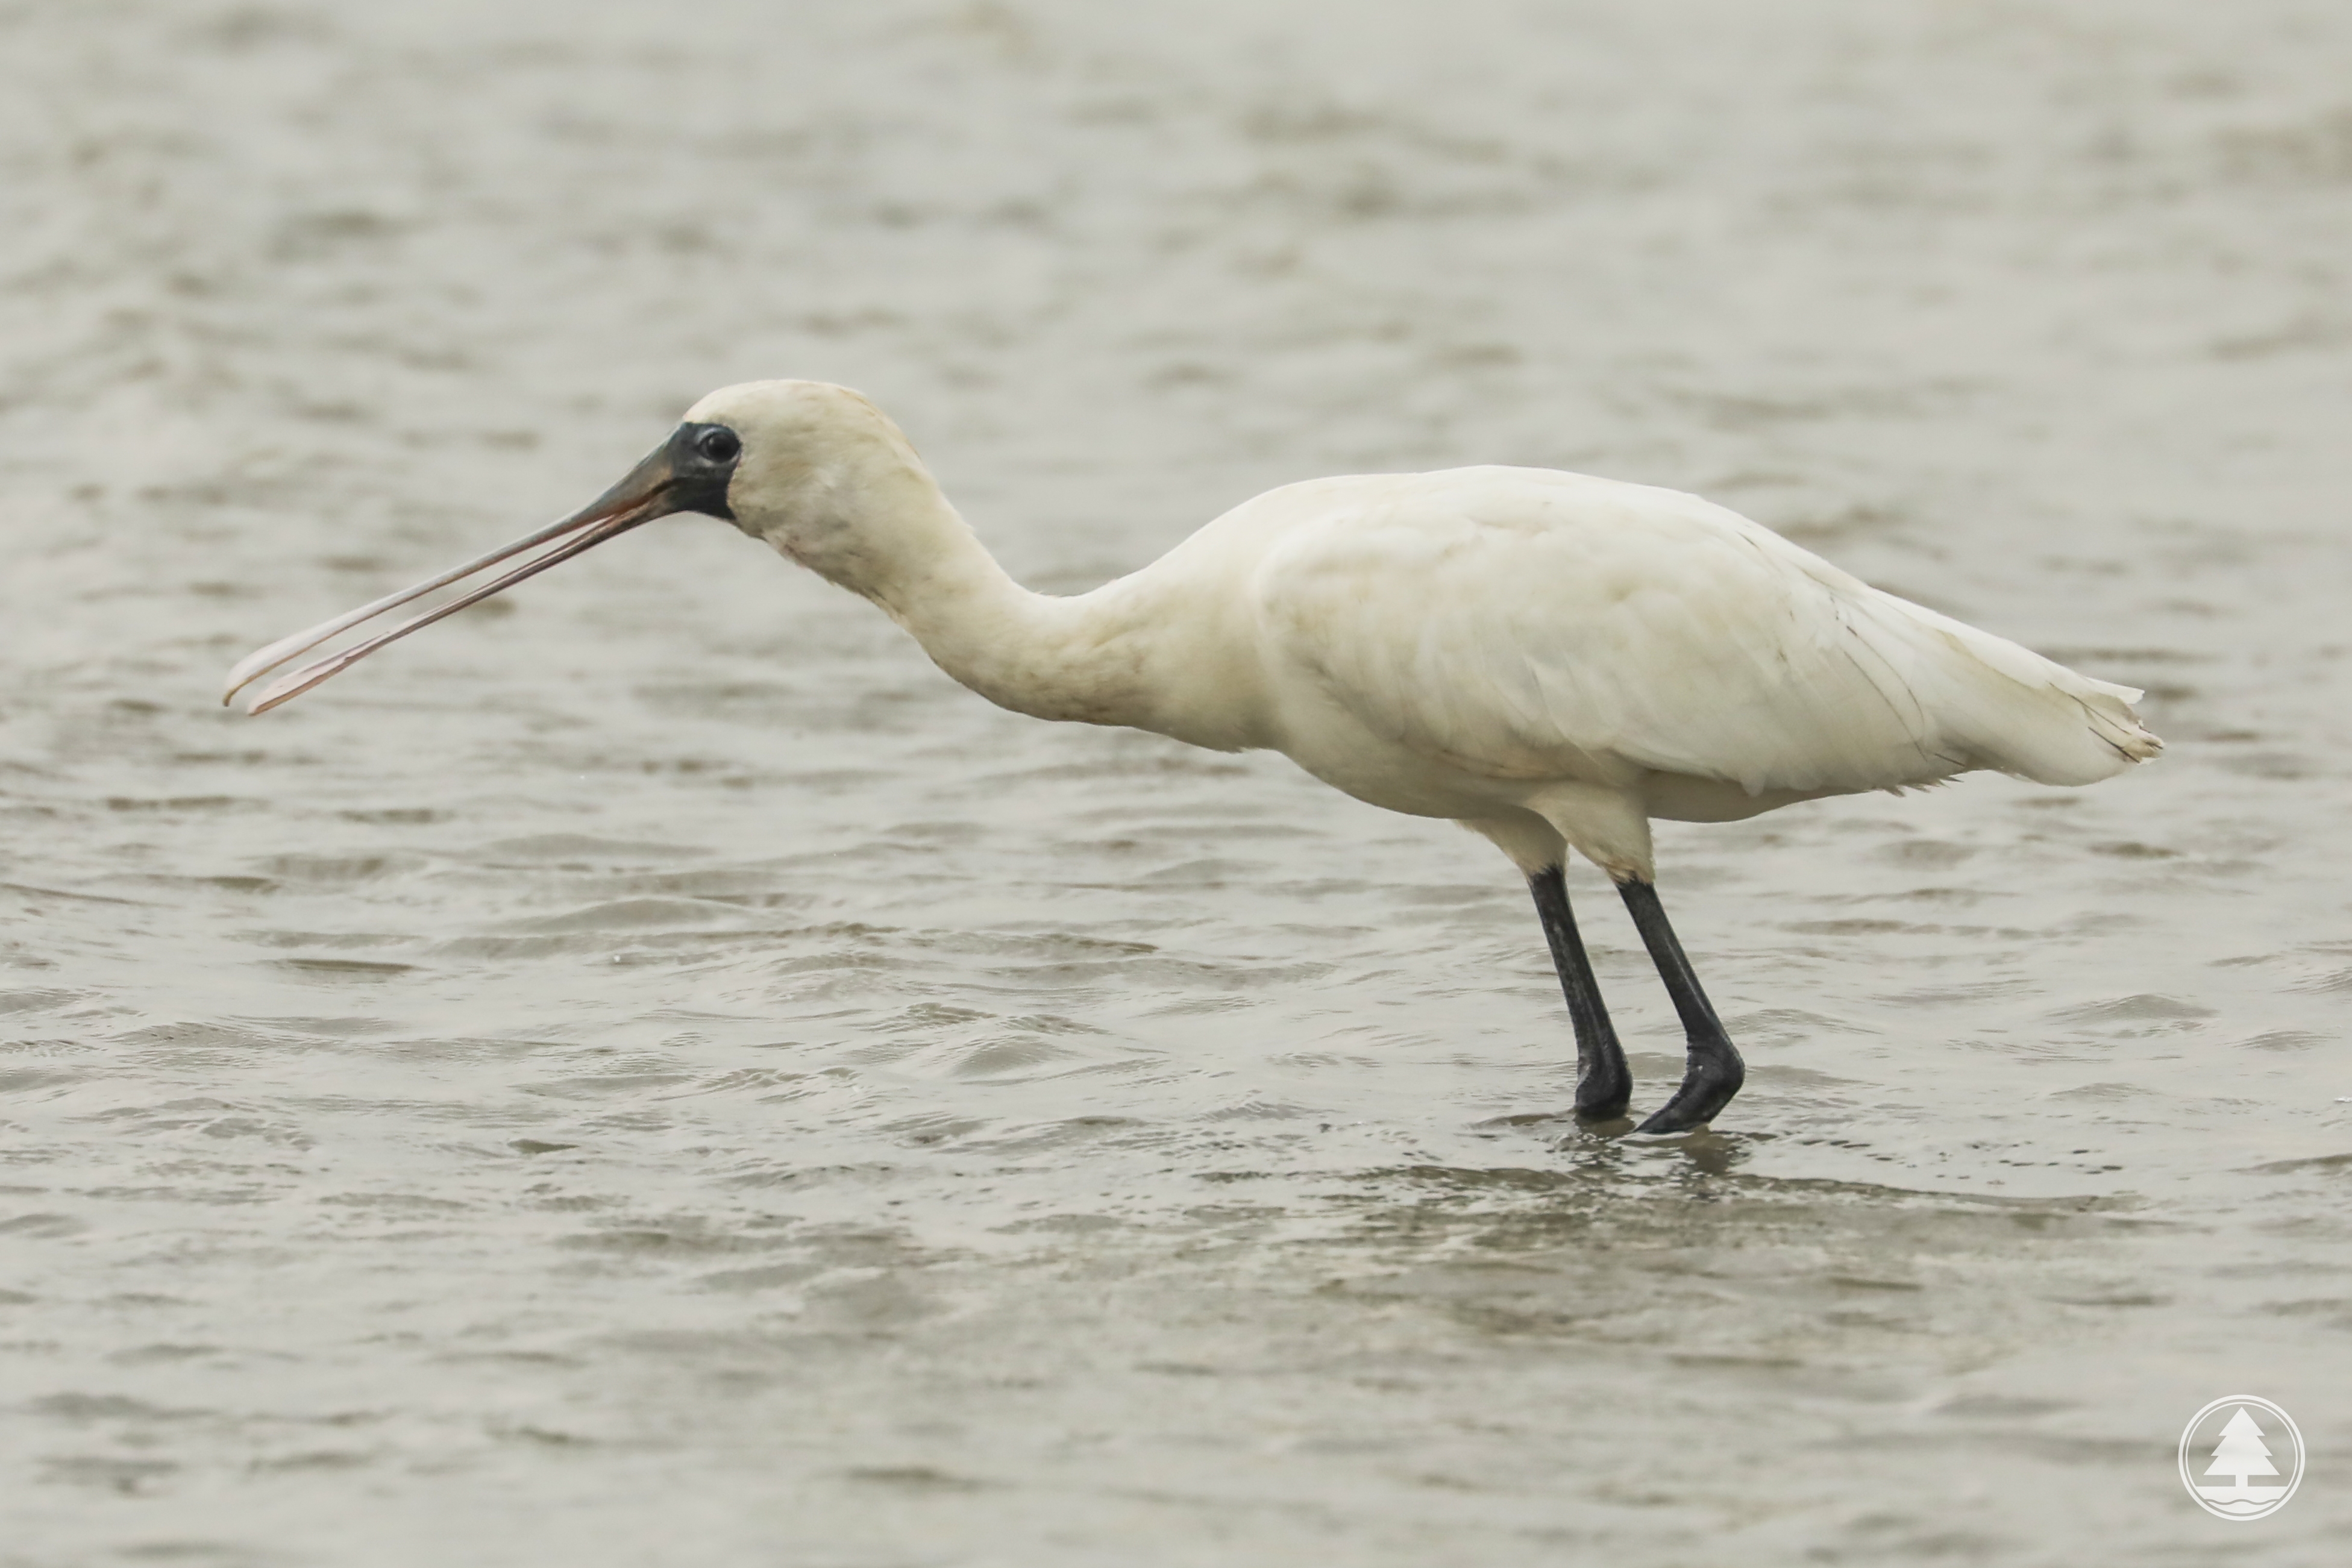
[(1550, 658), (1524, 628)]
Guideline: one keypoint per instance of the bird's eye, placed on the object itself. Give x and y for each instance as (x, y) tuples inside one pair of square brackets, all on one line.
[(720, 445)]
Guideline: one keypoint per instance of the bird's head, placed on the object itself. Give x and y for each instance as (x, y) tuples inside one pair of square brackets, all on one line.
[(805, 465), (820, 473)]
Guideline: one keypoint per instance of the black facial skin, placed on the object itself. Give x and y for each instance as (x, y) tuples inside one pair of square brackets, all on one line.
[(702, 459)]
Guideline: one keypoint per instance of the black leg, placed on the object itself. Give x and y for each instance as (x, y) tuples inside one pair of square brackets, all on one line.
[(1603, 1082), (1715, 1072)]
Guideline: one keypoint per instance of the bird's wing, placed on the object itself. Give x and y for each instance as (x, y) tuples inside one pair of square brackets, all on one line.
[(1525, 624)]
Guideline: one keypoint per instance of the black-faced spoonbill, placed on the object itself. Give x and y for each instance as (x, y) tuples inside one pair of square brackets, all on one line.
[(1546, 658)]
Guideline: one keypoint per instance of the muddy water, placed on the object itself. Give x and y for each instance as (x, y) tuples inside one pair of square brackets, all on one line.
[(652, 1073)]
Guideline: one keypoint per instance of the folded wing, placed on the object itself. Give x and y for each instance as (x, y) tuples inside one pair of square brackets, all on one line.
[(1527, 624)]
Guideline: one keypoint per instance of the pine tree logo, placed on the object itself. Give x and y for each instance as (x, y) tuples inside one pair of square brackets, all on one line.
[(2241, 1458)]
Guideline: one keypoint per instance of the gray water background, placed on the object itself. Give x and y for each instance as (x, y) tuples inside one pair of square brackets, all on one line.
[(652, 1073)]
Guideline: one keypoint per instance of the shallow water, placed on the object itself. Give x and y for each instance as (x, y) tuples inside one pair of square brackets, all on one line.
[(650, 1072)]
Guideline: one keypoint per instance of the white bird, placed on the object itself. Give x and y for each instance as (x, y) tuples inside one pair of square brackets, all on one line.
[(1547, 658)]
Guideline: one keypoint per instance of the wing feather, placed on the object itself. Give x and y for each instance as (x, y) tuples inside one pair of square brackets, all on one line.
[(1522, 623)]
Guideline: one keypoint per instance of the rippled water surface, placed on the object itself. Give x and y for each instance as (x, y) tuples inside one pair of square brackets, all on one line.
[(651, 1073)]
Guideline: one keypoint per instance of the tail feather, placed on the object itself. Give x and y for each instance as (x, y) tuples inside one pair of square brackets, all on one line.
[(2114, 720), (2008, 708)]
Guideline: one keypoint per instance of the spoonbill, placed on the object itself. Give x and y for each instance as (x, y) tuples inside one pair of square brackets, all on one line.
[(1547, 658)]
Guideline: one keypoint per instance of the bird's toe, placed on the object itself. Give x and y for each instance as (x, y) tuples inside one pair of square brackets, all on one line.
[(1603, 1101), (1705, 1090)]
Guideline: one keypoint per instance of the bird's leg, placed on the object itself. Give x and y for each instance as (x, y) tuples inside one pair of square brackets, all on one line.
[(1603, 1082), (1715, 1072)]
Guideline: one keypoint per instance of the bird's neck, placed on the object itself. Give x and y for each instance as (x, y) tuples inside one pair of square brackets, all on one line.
[(1152, 651), (1075, 658)]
